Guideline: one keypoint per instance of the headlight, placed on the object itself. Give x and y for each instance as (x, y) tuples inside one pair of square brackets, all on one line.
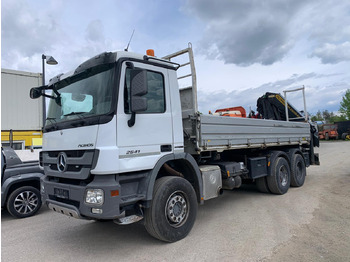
[(94, 196)]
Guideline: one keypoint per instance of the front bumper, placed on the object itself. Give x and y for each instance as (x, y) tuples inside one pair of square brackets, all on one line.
[(73, 203)]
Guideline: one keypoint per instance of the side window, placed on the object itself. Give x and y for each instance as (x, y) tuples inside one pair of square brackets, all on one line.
[(155, 96)]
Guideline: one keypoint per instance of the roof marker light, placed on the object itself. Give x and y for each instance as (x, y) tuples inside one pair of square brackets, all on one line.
[(150, 52)]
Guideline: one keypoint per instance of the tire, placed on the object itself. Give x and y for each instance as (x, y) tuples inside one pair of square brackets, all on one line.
[(169, 194), (261, 184), (343, 136), (279, 180), (297, 171), (24, 202)]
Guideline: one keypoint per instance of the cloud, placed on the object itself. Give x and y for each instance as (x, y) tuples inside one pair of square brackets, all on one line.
[(29, 31), (94, 31), (23, 26), (245, 32)]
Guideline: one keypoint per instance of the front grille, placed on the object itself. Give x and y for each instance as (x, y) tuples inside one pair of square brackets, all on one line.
[(70, 168), (69, 153), (77, 163)]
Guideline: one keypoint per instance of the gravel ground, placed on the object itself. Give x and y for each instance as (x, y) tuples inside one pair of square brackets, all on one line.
[(311, 223)]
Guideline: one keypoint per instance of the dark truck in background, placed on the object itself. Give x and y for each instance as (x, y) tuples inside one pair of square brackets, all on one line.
[(343, 129), (20, 184)]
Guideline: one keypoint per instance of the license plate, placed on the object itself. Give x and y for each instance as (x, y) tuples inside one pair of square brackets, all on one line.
[(61, 193)]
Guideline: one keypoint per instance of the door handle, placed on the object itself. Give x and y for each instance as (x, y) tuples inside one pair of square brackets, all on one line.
[(165, 148)]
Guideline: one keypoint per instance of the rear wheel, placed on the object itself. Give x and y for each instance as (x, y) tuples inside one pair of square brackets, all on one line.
[(173, 210), (298, 171), (279, 180), (24, 202)]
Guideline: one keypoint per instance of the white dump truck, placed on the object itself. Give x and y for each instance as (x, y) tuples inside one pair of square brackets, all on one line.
[(123, 142)]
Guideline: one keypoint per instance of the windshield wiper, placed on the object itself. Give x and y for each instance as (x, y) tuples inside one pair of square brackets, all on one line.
[(53, 122), (78, 114)]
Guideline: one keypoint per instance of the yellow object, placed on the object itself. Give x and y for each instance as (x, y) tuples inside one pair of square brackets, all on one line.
[(28, 139), (37, 142)]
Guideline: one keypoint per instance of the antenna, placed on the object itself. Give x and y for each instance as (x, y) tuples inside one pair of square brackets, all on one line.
[(126, 49)]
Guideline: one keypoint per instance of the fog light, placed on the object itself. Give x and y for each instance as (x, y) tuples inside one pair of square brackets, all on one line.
[(94, 196), (42, 188), (96, 210)]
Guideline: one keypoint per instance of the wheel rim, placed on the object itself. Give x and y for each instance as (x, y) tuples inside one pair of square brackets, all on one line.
[(283, 176), (177, 209), (25, 202)]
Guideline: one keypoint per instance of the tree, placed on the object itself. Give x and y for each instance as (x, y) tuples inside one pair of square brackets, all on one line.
[(337, 118), (345, 105), (327, 115), (317, 117)]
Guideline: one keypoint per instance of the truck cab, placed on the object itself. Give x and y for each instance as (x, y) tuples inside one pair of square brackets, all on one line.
[(110, 122)]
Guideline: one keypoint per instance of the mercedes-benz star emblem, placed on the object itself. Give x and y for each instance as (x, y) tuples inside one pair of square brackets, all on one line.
[(62, 162)]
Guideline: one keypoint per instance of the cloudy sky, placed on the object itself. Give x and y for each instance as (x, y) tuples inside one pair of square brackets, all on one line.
[(242, 48)]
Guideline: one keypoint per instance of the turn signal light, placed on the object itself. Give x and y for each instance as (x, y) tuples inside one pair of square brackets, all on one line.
[(114, 193), (150, 52)]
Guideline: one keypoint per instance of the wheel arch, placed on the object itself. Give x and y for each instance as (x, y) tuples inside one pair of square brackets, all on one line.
[(182, 163), (12, 183)]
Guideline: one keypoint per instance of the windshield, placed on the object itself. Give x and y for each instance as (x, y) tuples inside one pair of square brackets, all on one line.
[(82, 96)]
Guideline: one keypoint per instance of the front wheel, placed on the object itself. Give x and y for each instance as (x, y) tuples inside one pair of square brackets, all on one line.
[(24, 202), (173, 210)]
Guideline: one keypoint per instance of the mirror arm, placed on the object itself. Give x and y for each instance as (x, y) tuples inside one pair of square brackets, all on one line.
[(131, 121), (48, 96), (56, 92)]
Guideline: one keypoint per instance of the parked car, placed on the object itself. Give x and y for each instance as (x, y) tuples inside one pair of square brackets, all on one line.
[(20, 184)]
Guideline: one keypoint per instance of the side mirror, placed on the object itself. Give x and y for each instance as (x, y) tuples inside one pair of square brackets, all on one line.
[(139, 88), (36, 92)]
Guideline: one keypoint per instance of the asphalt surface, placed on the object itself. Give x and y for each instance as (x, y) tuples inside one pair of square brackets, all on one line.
[(240, 225)]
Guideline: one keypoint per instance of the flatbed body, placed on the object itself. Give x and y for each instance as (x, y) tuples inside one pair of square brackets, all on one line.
[(222, 133)]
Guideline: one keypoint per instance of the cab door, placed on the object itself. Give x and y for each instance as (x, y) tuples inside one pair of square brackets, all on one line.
[(151, 137)]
